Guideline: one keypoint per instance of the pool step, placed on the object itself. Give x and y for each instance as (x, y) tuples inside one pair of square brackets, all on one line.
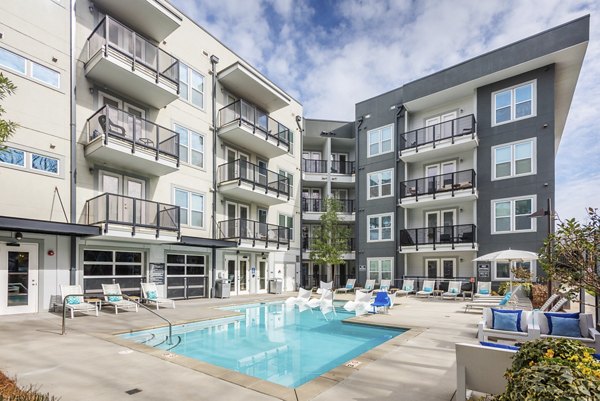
[(161, 342)]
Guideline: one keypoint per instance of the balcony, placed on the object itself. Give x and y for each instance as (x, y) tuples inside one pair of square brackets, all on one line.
[(250, 233), (439, 140), (438, 190), (246, 181), (121, 59), (308, 243), (314, 166), (244, 124), (153, 18), (457, 237), (117, 138), (314, 207), (127, 218)]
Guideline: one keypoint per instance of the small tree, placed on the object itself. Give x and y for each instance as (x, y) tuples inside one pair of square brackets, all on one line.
[(7, 128), (331, 238), (571, 256)]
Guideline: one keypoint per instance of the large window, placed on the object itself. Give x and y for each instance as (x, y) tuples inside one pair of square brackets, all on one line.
[(287, 221), (110, 266), (179, 264), (380, 184), (12, 156), (191, 208), (191, 146), (24, 66), (380, 269), (512, 215), (30, 161), (191, 86), (44, 163), (502, 269), (514, 103), (514, 159), (381, 227), (380, 141), (290, 178)]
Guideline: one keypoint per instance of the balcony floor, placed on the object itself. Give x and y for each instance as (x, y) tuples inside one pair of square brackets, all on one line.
[(243, 191), (441, 199), (255, 141), (122, 233), (440, 248), (441, 149)]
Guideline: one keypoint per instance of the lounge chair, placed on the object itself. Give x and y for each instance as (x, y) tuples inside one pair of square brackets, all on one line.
[(149, 292), (549, 302), (454, 289), (408, 287), (303, 297), (382, 300), (114, 297), (481, 368), (513, 300), (369, 286), (349, 286), (484, 289), (76, 304), (361, 303), (491, 327), (582, 330), (427, 289), (324, 286), (558, 306), (384, 286)]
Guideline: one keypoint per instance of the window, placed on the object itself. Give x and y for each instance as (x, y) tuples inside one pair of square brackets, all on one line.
[(191, 146), (44, 163), (380, 184), (514, 103), (502, 269), (380, 269), (191, 208), (24, 66), (287, 221), (381, 227), (290, 178), (185, 265), (379, 141), (110, 263), (513, 160), (512, 215), (191, 86), (12, 156)]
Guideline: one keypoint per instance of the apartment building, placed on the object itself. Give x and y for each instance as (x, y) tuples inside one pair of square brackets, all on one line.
[(328, 171), (450, 166), (173, 161)]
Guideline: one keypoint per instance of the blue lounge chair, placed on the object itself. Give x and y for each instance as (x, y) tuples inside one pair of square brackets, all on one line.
[(382, 300)]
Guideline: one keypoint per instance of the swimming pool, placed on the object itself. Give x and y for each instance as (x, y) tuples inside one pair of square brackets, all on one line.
[(272, 342)]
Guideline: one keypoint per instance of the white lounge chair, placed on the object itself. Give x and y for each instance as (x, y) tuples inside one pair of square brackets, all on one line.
[(349, 286), (369, 286), (549, 302), (384, 285), (558, 306), (516, 299), (588, 333), (114, 298), (408, 287), (149, 292), (485, 328), (427, 289), (303, 297), (481, 369), (361, 303), (76, 304), (484, 289), (324, 303), (324, 286), (454, 290)]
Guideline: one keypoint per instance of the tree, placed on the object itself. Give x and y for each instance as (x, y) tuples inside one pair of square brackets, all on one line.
[(571, 256), (332, 239), (7, 128)]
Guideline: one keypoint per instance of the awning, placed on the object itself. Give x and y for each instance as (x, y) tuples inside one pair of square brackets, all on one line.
[(206, 242), (47, 227)]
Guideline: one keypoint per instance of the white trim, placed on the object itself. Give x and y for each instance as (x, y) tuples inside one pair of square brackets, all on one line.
[(380, 172), (29, 70), (391, 126), (379, 272), (512, 103), (512, 200), (188, 145), (189, 208), (512, 145), (188, 100), (440, 266), (380, 217)]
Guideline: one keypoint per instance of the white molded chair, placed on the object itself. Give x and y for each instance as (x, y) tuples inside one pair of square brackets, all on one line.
[(427, 289), (361, 304), (384, 285), (324, 286), (558, 306), (149, 292), (486, 287), (303, 297), (76, 304), (408, 287), (454, 290), (113, 297), (589, 335), (349, 286), (325, 303), (369, 286), (485, 330)]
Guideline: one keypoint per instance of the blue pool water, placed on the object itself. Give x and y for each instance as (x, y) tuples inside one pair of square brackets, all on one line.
[(272, 342)]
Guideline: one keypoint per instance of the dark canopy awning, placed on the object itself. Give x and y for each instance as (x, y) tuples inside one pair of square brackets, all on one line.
[(206, 242), (46, 227)]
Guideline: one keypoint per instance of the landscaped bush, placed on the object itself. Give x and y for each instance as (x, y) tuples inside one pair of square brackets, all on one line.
[(9, 391), (539, 294), (553, 369)]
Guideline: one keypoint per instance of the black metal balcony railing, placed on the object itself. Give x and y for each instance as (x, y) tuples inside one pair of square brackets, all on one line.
[(438, 132), (110, 36), (242, 112), (446, 235), (244, 229), (124, 210), (241, 170), (308, 242), (339, 167), (447, 183), (314, 166), (119, 124), (319, 205)]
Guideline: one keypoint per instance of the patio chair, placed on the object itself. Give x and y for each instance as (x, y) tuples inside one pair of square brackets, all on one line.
[(576, 326), (114, 298), (361, 303), (481, 368), (427, 289), (369, 286), (325, 303), (559, 305), (549, 302), (384, 285), (454, 290), (349, 286), (408, 287), (303, 297), (484, 289), (76, 304), (324, 286), (496, 324), (382, 300), (149, 293), (513, 300)]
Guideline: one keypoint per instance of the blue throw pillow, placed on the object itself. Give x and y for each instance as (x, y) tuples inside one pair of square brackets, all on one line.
[(563, 315), (151, 294), (501, 346), (484, 291), (427, 289), (507, 320), (506, 298), (73, 301), (114, 298), (565, 327)]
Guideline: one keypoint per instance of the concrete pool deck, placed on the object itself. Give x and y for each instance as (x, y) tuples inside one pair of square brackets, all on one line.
[(83, 365)]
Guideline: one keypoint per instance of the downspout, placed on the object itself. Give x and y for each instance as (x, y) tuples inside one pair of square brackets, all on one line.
[(73, 150), (298, 121), (401, 110), (357, 196), (214, 60)]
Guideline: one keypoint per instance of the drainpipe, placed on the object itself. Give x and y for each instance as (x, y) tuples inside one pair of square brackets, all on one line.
[(298, 123), (399, 113), (73, 151), (214, 60), (358, 203)]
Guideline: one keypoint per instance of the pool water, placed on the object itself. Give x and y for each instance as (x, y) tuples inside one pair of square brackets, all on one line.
[(272, 341)]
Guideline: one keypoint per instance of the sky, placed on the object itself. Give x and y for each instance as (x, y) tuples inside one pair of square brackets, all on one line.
[(329, 55)]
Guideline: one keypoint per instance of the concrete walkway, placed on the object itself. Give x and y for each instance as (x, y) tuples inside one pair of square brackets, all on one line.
[(82, 365)]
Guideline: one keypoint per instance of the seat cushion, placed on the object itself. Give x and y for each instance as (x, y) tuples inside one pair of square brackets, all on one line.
[(73, 301), (508, 320), (151, 294), (564, 326), (115, 298), (484, 291), (427, 289)]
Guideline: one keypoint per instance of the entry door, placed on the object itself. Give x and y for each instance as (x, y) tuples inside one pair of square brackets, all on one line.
[(431, 267), (448, 268), (121, 208), (339, 163), (18, 279), (431, 172), (262, 223), (232, 276), (262, 275), (244, 274), (237, 166), (446, 126), (440, 225), (238, 273), (238, 224)]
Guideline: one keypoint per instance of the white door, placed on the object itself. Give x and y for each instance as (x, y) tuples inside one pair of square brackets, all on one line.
[(431, 172), (440, 225), (18, 278), (431, 132), (238, 273), (261, 275), (446, 124)]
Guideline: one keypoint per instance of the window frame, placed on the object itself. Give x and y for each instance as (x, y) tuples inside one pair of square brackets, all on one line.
[(512, 215), (512, 90), (28, 162), (380, 217), (532, 270), (42, 170), (290, 178), (29, 65), (380, 129), (189, 207), (288, 220), (18, 166), (188, 84), (188, 146), (380, 173), (513, 159), (379, 272)]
